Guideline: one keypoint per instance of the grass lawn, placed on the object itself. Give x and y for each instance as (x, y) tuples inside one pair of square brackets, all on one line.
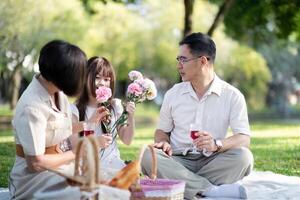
[(275, 144)]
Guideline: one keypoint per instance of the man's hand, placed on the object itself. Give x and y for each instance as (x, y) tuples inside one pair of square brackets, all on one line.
[(205, 141), (165, 146)]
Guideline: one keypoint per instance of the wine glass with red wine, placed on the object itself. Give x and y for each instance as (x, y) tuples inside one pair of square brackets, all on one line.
[(89, 128), (194, 128)]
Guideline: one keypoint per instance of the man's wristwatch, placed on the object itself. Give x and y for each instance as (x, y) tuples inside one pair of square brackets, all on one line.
[(219, 145)]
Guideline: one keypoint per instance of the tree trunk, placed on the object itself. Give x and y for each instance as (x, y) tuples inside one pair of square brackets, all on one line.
[(15, 86), (188, 21), (3, 88), (220, 16), (121, 88), (188, 16)]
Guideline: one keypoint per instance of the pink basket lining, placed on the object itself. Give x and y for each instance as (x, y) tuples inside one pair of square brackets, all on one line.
[(161, 184)]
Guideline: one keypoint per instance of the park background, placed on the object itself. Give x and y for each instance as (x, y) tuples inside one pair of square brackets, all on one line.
[(257, 51)]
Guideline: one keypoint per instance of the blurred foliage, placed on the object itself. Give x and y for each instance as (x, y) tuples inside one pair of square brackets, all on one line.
[(89, 4), (283, 59), (114, 36), (259, 21), (204, 14), (141, 35), (272, 28), (25, 25), (28, 24), (248, 71), (239, 65)]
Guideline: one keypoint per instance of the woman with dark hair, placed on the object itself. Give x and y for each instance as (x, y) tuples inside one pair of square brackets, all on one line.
[(101, 73), (43, 123)]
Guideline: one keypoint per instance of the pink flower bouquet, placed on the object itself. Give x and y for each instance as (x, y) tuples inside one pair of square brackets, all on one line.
[(138, 91)]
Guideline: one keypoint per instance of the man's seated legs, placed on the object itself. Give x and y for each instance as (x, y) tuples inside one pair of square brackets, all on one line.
[(240, 158), (169, 168), (178, 167), (228, 167)]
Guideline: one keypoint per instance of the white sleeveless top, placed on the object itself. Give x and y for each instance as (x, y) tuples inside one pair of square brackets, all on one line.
[(110, 157)]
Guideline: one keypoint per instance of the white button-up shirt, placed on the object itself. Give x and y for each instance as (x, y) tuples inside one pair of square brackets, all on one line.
[(220, 107)]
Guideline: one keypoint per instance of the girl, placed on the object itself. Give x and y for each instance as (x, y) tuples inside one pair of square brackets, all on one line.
[(101, 73)]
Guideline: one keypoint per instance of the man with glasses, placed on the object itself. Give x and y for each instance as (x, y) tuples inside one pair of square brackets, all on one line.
[(210, 163)]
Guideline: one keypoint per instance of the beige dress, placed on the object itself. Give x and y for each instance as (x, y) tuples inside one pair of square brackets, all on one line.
[(38, 124)]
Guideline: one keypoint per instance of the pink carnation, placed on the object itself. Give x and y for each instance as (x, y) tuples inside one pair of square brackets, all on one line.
[(103, 94), (135, 75), (152, 92), (135, 89)]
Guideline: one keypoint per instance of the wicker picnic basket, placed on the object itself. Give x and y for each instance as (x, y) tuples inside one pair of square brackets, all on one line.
[(154, 188), (87, 174)]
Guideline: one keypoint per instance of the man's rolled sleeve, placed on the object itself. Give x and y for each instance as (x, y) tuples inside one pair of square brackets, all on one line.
[(165, 118), (239, 122)]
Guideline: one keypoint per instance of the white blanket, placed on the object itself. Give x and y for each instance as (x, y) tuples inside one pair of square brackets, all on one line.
[(268, 185), (260, 186)]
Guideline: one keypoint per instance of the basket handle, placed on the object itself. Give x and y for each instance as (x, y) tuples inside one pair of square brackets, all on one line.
[(154, 160), (92, 173), (77, 155), (95, 145)]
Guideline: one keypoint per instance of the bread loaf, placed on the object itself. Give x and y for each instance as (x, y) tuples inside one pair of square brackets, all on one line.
[(127, 176)]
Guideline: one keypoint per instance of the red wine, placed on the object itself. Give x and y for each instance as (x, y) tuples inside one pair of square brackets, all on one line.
[(88, 132), (193, 135)]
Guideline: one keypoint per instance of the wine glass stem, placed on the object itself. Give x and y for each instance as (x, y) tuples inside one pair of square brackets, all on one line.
[(194, 148)]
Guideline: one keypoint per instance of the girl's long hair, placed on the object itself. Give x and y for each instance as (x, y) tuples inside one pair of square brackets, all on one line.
[(96, 65)]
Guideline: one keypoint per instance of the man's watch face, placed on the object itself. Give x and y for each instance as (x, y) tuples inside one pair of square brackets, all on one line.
[(219, 143)]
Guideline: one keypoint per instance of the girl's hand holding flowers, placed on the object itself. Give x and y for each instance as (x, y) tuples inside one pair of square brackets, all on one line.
[(100, 114), (138, 91), (130, 108)]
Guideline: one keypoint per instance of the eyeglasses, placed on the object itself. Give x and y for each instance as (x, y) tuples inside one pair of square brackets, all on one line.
[(183, 60)]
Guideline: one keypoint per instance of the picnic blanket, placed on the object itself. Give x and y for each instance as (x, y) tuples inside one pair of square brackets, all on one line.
[(260, 186), (268, 185)]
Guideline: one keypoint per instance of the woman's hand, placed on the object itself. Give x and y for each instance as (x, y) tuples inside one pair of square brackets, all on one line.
[(130, 107), (126, 132), (105, 140), (100, 114)]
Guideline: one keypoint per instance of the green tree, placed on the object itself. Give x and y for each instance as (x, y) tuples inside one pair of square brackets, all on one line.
[(260, 21), (113, 32), (140, 37), (26, 26), (253, 75), (223, 8), (283, 60), (272, 28)]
